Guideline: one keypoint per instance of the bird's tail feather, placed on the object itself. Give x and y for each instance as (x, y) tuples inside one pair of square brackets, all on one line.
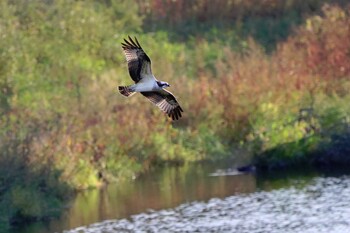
[(125, 91)]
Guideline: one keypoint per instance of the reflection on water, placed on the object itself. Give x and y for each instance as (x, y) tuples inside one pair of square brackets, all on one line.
[(320, 206), (165, 188)]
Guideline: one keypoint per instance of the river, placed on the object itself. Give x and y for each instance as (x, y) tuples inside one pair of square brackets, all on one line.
[(211, 198)]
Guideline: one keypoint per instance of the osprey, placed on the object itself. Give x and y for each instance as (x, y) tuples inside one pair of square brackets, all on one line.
[(139, 65)]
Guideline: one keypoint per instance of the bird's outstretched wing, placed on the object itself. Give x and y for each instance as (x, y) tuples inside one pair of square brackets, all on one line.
[(138, 61), (166, 101)]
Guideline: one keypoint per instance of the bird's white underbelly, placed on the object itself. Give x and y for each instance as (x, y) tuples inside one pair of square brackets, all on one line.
[(142, 87), (146, 84)]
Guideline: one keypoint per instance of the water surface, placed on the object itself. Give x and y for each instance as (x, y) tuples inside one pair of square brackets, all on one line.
[(188, 198)]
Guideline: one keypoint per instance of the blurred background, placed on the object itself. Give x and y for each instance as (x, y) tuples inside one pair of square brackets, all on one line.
[(261, 80)]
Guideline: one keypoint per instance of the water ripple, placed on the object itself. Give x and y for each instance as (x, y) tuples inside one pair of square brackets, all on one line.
[(322, 206)]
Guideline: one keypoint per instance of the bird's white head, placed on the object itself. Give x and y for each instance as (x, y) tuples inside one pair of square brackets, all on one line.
[(162, 84)]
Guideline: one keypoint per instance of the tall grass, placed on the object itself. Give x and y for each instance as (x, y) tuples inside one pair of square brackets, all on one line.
[(268, 22)]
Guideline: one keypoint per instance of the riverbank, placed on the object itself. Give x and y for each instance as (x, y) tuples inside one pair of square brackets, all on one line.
[(333, 151)]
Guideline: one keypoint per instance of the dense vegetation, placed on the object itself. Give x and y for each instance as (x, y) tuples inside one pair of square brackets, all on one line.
[(272, 79)]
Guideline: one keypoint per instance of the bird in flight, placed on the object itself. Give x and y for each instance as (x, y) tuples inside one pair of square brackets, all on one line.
[(139, 65)]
